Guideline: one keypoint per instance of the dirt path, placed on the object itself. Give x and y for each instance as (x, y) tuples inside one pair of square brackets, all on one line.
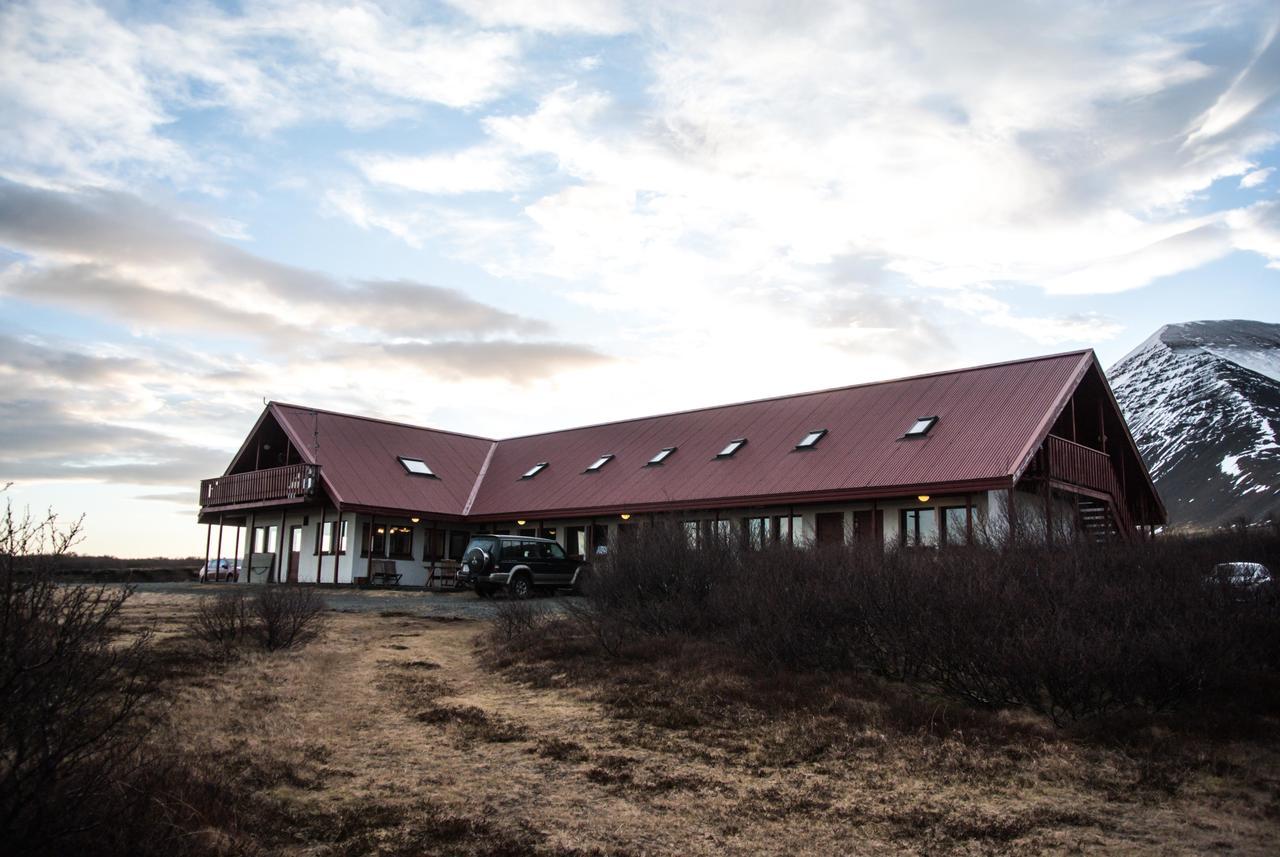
[(395, 717)]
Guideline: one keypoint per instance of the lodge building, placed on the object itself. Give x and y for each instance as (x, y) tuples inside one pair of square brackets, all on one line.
[(1033, 448)]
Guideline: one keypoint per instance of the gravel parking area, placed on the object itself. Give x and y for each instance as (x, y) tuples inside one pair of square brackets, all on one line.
[(462, 604)]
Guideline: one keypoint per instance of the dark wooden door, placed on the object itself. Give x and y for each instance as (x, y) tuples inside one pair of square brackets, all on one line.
[(868, 527), (295, 552), (829, 528)]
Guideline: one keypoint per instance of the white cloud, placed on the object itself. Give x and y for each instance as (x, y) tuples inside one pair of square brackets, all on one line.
[(1257, 229), (485, 168), (606, 17), (1256, 178)]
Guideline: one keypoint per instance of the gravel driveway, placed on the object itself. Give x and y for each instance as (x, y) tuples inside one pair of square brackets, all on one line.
[(466, 605)]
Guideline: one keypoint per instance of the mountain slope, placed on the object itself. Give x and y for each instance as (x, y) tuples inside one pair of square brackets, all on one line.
[(1203, 402)]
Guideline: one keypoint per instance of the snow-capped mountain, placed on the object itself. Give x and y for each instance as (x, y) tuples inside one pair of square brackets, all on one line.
[(1203, 402)]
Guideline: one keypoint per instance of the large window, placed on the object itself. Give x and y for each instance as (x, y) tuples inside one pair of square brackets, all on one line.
[(434, 549), (756, 532), (575, 540), (378, 538), (326, 536), (400, 542), (919, 527), (955, 525), (264, 539), (789, 530), (458, 543)]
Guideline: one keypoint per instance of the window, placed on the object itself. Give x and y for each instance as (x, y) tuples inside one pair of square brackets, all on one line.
[(599, 538), (810, 440), (663, 455), (548, 550), (400, 542), (955, 525), (535, 470), (417, 467), (264, 539), (691, 532), (921, 427), (326, 534), (733, 446), (919, 527), (373, 543), (599, 462), (756, 531), (788, 530), (434, 549), (575, 540), (458, 543)]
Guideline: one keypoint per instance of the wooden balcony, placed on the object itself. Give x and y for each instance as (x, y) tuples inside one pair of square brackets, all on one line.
[(1070, 463), (291, 482)]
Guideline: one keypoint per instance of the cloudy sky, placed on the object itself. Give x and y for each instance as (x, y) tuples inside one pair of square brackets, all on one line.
[(501, 216)]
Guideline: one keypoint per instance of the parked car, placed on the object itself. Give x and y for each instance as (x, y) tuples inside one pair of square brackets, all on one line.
[(520, 564), (1244, 580), (220, 571)]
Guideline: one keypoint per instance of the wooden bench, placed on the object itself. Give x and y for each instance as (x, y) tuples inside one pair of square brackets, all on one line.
[(383, 572)]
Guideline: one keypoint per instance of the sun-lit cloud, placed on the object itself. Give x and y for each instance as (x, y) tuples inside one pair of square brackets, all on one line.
[(510, 216)]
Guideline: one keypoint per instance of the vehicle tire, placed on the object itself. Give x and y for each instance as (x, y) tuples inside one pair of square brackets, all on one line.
[(521, 586)]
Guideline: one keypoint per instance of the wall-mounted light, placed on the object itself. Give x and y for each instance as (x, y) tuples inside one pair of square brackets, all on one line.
[(626, 516), (415, 520), (923, 498), (520, 523), (381, 530)]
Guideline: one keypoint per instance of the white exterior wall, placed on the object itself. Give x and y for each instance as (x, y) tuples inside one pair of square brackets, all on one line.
[(807, 514)]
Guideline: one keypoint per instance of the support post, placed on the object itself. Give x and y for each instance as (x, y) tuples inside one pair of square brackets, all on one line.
[(320, 545), (275, 561), (219, 556), (208, 536), (236, 561), (253, 531), (1011, 518), (968, 519), (337, 543)]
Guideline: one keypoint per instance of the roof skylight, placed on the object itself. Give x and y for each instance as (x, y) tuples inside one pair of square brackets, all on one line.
[(416, 466), (810, 440), (921, 427), (535, 470), (662, 455), (600, 462), (733, 446)]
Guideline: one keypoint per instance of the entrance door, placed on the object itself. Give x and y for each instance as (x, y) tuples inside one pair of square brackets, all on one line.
[(829, 528), (295, 552)]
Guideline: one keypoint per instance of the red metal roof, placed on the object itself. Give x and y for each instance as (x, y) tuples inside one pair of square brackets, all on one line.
[(991, 419), (359, 463)]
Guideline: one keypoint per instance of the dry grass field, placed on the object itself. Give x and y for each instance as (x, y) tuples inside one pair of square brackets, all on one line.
[(394, 734)]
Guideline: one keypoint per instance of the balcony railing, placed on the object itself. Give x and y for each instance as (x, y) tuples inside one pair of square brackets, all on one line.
[(293, 481), (1076, 464)]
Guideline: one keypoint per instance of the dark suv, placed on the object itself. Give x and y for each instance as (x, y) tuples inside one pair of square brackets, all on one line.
[(520, 563)]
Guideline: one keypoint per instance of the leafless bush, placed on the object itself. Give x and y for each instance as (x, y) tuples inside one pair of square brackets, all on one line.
[(515, 618), (224, 620), (287, 616), (1074, 631), (69, 692)]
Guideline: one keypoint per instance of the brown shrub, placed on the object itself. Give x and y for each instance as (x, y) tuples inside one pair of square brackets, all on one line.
[(1073, 632)]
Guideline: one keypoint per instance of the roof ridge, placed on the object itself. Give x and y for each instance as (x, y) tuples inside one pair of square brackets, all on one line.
[(380, 420), (778, 398)]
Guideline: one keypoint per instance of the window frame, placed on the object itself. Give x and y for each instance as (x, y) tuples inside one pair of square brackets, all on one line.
[(535, 470), (732, 448), (806, 444), (913, 433), (326, 532), (404, 462), (915, 541), (399, 531), (661, 456), (599, 464)]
